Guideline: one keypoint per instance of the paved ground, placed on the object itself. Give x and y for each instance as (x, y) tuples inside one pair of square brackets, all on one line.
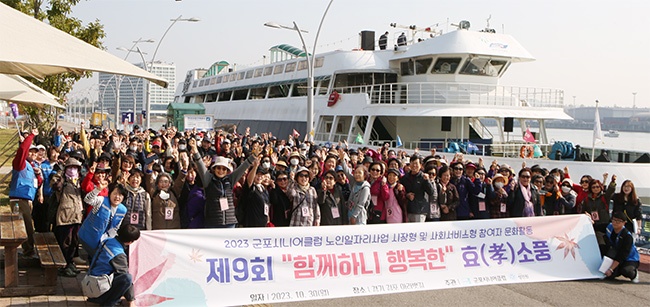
[(572, 293)]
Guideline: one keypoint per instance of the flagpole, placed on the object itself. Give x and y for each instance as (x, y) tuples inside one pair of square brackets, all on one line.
[(593, 141)]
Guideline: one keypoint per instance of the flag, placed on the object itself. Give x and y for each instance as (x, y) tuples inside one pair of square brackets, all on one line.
[(399, 141), (295, 134), (359, 138), (14, 109), (528, 136), (598, 134)]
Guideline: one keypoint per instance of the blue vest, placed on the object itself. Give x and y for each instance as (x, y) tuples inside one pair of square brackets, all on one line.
[(99, 222), (46, 170), (22, 183), (102, 264), (634, 254)]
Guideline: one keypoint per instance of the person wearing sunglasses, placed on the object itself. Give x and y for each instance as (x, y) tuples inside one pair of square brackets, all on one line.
[(280, 203), (467, 191), (523, 199), (330, 201), (304, 201), (619, 244), (378, 192)]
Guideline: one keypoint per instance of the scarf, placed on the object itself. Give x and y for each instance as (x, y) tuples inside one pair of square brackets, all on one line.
[(304, 188), (529, 209)]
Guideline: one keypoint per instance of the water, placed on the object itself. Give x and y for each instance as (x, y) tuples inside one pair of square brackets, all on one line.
[(628, 141)]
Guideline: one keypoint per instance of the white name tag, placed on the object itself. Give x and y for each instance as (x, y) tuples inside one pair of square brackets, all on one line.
[(169, 214), (481, 205), (305, 212), (594, 216), (266, 209), (335, 212), (223, 203), (481, 195), (503, 208)]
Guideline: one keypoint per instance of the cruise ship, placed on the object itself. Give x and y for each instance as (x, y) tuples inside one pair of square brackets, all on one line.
[(432, 92)]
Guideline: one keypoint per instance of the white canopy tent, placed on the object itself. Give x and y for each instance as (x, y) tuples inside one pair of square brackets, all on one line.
[(16, 89), (33, 48)]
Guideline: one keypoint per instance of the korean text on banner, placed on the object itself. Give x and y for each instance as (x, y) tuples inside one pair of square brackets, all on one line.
[(256, 266)]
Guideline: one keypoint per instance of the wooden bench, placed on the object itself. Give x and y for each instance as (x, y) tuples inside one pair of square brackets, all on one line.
[(12, 234), (50, 255)]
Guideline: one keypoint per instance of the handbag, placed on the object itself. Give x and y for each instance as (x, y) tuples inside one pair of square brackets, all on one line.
[(95, 286)]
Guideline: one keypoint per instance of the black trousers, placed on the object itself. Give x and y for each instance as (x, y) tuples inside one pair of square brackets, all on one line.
[(68, 238), (627, 269)]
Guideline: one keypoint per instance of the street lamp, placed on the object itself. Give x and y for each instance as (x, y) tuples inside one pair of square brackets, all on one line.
[(153, 58), (119, 78), (634, 100), (310, 66)]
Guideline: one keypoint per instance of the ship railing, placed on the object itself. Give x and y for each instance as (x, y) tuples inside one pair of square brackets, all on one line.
[(458, 93)]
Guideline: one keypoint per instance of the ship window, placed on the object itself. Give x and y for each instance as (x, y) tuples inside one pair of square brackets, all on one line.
[(211, 97), (202, 83), (446, 66), (406, 68), (302, 65), (483, 67), (258, 93), (249, 74), (278, 69), (319, 62), (212, 81), (324, 84), (240, 94), (290, 67), (279, 91), (299, 89), (258, 72), (224, 96), (233, 77), (240, 76), (422, 65), (268, 70), (219, 79), (195, 83)]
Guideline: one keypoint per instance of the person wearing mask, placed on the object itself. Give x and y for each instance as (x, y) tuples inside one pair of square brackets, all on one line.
[(568, 199), (619, 245), (69, 215), (192, 199), (523, 198), (330, 201), (164, 192), (416, 183), (112, 259), (22, 188), (497, 197)]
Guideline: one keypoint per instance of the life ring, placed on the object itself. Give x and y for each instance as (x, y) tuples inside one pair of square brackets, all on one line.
[(333, 99), (526, 151)]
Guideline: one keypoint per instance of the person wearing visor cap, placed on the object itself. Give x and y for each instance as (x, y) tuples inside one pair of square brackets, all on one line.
[(218, 183)]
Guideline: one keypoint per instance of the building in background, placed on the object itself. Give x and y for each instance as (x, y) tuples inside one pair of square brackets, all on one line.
[(133, 91)]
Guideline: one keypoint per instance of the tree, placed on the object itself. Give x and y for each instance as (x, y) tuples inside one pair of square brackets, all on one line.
[(58, 14)]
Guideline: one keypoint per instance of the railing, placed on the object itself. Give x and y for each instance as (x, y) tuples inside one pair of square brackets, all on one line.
[(458, 93), (478, 126)]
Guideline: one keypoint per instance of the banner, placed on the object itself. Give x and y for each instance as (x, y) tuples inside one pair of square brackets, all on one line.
[(201, 122), (210, 267)]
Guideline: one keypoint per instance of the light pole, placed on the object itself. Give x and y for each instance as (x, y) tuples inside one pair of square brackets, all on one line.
[(137, 49), (153, 58), (310, 66), (118, 80), (634, 100)]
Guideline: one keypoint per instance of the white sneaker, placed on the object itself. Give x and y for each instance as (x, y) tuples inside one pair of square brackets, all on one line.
[(79, 261), (635, 280)]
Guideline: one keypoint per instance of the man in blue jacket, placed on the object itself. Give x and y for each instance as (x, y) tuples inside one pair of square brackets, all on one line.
[(112, 259), (621, 248)]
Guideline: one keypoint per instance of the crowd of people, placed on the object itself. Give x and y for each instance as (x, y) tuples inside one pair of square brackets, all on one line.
[(85, 185)]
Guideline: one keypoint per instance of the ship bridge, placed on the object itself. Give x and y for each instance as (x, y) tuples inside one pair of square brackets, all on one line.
[(285, 52)]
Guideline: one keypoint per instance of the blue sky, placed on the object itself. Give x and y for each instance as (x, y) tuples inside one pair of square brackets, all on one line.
[(590, 49)]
